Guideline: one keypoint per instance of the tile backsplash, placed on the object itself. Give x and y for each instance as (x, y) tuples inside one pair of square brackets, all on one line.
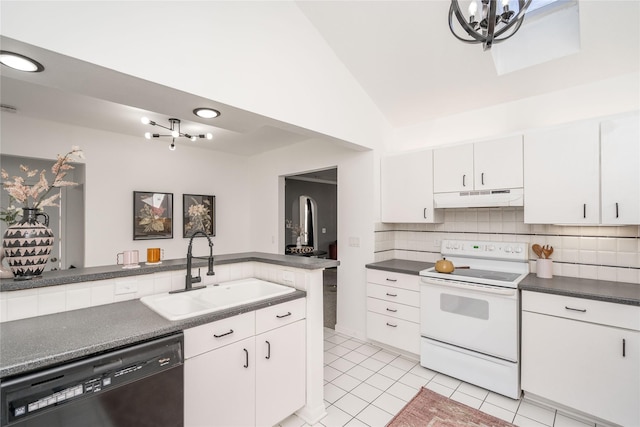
[(604, 253)]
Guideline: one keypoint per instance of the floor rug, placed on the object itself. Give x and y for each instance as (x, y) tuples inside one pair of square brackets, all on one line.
[(430, 409)]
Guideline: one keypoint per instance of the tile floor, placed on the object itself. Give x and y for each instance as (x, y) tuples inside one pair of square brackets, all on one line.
[(366, 386)]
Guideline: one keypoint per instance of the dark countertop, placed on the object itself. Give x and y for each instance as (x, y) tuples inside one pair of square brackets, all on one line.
[(401, 266), (44, 341), (601, 290), (77, 275)]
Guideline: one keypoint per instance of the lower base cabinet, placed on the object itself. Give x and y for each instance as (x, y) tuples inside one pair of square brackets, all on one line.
[(582, 354), (251, 373)]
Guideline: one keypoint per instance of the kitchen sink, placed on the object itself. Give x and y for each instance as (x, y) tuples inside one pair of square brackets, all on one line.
[(213, 298)]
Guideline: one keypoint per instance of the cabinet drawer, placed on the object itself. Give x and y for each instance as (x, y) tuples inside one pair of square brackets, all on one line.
[(394, 332), (398, 280), (587, 310), (389, 293), (213, 335), (399, 311), (280, 315)]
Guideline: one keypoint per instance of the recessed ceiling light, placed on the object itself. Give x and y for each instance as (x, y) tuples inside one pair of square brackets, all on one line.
[(206, 113), (20, 62)]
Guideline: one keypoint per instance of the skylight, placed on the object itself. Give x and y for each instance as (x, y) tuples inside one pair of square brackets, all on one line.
[(551, 30)]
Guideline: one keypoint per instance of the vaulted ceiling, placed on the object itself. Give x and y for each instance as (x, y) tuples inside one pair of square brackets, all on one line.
[(401, 53)]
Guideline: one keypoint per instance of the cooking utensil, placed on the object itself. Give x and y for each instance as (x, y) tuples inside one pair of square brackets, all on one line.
[(547, 251), (537, 249)]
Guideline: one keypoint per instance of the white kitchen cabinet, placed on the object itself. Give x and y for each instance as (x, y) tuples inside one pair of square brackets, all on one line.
[(393, 309), (584, 173), (407, 188), (582, 354), (248, 369), (219, 386), (280, 373), (488, 165), (562, 175), (620, 169)]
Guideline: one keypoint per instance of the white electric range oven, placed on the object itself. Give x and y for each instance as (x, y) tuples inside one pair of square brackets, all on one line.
[(469, 319)]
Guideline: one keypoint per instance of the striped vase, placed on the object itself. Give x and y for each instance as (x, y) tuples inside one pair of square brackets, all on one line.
[(27, 245)]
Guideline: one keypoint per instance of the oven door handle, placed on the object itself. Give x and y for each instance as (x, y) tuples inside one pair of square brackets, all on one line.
[(471, 287)]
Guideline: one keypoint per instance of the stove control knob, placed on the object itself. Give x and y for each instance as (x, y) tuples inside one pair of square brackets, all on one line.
[(518, 250), (508, 249), (491, 248)]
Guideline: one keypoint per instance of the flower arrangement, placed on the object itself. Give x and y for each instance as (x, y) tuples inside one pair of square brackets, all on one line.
[(37, 196), (296, 229)]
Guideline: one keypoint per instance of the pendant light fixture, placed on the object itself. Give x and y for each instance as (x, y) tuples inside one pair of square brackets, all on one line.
[(174, 129), (492, 27)]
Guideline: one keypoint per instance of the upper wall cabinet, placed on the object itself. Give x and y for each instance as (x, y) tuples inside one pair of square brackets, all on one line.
[(407, 188), (567, 168), (561, 175), (489, 165), (620, 169)]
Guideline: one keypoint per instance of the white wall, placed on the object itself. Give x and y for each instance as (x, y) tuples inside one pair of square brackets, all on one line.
[(606, 97), (356, 213), (117, 165), (264, 57)]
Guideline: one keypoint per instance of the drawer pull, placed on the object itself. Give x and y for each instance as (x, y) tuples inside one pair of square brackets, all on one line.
[(246, 358), (391, 295), (581, 310), (268, 356), (391, 310), (624, 348), (393, 326), (391, 280), (224, 335), (281, 316)]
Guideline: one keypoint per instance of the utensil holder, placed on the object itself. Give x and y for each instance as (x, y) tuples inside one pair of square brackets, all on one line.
[(544, 268)]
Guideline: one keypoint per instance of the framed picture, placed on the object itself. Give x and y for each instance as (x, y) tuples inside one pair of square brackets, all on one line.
[(152, 215), (199, 214)]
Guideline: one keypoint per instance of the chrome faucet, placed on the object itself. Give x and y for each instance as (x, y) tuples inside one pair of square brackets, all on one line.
[(189, 279)]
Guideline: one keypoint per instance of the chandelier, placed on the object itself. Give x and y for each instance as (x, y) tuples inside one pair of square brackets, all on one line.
[(493, 27), (174, 128)]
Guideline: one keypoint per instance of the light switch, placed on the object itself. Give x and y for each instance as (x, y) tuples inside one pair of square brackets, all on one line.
[(354, 242)]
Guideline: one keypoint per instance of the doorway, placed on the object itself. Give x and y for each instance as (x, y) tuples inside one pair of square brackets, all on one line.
[(311, 213)]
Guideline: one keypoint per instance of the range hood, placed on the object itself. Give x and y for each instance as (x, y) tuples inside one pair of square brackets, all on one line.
[(479, 199)]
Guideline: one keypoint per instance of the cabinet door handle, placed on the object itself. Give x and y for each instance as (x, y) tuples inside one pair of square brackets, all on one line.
[(268, 356), (281, 316), (482, 178), (393, 326), (424, 213), (581, 310), (224, 335), (392, 310), (616, 209), (464, 184), (584, 210), (391, 295), (246, 358), (391, 280), (624, 348)]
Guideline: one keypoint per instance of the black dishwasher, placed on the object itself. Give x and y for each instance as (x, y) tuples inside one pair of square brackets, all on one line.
[(140, 385)]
